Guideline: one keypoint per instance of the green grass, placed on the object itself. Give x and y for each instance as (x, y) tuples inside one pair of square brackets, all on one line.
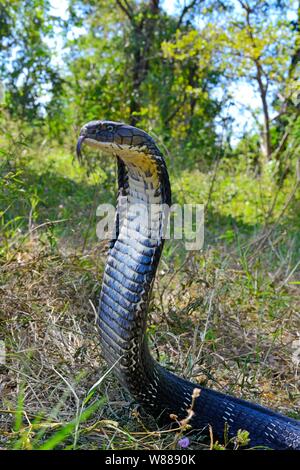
[(225, 317)]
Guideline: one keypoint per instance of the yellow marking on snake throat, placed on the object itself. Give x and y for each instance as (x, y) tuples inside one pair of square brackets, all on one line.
[(135, 158), (140, 160)]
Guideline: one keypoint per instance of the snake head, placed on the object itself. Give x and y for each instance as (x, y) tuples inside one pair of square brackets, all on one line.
[(115, 138)]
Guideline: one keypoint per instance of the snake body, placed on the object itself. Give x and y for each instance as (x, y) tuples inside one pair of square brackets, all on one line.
[(128, 278)]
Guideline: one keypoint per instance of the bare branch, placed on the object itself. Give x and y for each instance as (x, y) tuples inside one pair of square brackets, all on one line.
[(176, 110), (126, 8), (185, 10), (154, 5)]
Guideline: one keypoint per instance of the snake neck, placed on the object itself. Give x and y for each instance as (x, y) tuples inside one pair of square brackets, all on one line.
[(143, 196)]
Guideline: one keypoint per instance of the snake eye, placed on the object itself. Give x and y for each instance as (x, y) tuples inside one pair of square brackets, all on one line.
[(110, 128)]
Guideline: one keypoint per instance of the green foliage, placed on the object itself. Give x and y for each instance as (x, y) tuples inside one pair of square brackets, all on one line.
[(50, 190), (172, 75), (256, 42), (137, 63), (29, 73)]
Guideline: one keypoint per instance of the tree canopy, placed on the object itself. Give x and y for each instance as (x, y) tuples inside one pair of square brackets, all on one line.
[(170, 73)]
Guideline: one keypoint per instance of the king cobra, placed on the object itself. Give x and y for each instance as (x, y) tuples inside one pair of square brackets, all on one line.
[(130, 269)]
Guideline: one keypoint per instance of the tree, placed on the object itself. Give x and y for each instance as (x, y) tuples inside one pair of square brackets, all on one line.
[(257, 44), (28, 71), (118, 68), (148, 27), (253, 41), (143, 21)]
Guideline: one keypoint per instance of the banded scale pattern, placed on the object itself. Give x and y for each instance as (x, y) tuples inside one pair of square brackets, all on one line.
[(127, 283)]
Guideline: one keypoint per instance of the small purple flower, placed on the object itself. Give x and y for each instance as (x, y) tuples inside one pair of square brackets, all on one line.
[(184, 442)]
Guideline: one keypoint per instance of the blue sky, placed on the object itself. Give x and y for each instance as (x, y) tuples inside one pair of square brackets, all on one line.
[(60, 6)]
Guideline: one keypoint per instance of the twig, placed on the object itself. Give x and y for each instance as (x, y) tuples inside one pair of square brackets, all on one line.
[(185, 10), (50, 222), (126, 9)]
